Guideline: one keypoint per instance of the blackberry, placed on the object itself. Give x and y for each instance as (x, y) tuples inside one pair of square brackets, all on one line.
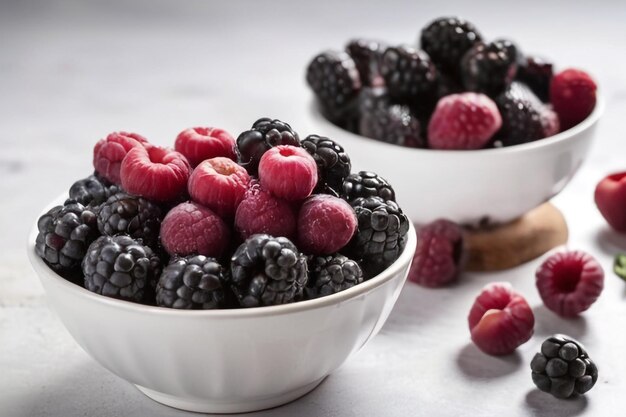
[(563, 368), (409, 74), (120, 267), (367, 55), (367, 184), (333, 163), (264, 134), (537, 74), (332, 274), (446, 40), (128, 214), (65, 232), (381, 234), (489, 68), (267, 270), (92, 190), (192, 282), (392, 123), (521, 117)]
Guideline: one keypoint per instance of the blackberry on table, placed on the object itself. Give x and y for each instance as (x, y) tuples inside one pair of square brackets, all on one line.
[(381, 235), (392, 123), (92, 191), (367, 184), (367, 56), (333, 163), (536, 73), (332, 274), (267, 270), (264, 134), (563, 368), (120, 267), (65, 232), (489, 68), (128, 214), (191, 282), (521, 117)]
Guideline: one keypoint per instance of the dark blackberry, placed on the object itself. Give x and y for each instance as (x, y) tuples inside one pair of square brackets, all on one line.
[(446, 40), (489, 68), (121, 267), (521, 117), (367, 55), (381, 234), (264, 134), (92, 191), (65, 232), (367, 184), (537, 74), (192, 282), (563, 368), (332, 274), (335, 80), (392, 123), (267, 270), (333, 163), (409, 74), (128, 214)]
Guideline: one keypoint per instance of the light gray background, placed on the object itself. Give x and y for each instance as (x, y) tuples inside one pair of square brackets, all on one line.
[(72, 71)]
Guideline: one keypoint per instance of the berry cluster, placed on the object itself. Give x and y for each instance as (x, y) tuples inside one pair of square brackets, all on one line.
[(454, 90), (219, 222)]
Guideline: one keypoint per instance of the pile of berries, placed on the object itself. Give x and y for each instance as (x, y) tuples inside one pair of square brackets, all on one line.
[(453, 89), (219, 222)]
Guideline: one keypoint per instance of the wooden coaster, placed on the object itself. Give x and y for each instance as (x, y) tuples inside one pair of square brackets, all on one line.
[(520, 241)]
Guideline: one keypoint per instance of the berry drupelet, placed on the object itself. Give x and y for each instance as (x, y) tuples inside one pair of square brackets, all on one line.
[(409, 74), (92, 190), (333, 163), (367, 184), (391, 123), (489, 68), (332, 274), (264, 134)]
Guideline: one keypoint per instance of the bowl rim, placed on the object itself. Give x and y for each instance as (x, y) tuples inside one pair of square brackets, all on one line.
[(553, 140), (45, 272)]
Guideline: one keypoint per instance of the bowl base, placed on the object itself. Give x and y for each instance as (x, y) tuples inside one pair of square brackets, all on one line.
[(199, 405)]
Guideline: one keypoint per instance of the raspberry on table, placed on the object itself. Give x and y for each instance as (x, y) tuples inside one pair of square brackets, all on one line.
[(367, 184), (288, 172), (267, 270), (463, 121), (536, 73), (200, 143), (573, 95), (569, 282), (109, 153), (333, 163), (367, 55), (438, 257), (155, 173), (92, 191), (489, 68), (409, 74), (331, 274)]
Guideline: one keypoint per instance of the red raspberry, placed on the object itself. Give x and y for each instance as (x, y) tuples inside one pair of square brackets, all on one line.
[(569, 282), (463, 121), (109, 153), (220, 184), (190, 228), (200, 143), (261, 212), (573, 95), (325, 224), (500, 319), (155, 173), (438, 256), (288, 172), (610, 197)]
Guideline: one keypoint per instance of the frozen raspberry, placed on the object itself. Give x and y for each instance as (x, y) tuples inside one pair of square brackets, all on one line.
[(219, 184), (261, 212), (155, 173), (190, 228), (500, 319), (437, 259), (325, 224), (463, 121), (288, 172), (109, 153), (573, 95), (200, 143), (569, 282)]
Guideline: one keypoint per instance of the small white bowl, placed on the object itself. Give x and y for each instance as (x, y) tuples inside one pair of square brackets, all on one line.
[(470, 187), (225, 361)]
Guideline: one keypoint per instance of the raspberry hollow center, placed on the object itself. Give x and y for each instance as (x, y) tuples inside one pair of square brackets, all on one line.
[(157, 154), (286, 151), (224, 168), (617, 177), (202, 131), (567, 275)]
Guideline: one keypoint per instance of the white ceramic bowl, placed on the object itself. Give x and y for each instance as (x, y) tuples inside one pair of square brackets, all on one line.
[(495, 185), (225, 361)]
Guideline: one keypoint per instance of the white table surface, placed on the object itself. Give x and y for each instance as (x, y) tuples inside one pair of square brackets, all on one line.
[(72, 71)]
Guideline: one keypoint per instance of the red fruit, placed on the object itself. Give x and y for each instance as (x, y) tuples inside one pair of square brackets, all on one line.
[(569, 282), (325, 224), (437, 259), (463, 121), (610, 197), (261, 212), (109, 153), (500, 319), (573, 95), (288, 172), (200, 143), (219, 184), (155, 173), (190, 228)]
